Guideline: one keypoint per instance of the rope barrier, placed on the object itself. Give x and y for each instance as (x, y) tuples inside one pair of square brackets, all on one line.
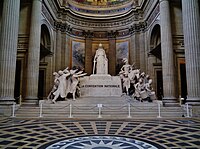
[(136, 107), (115, 108), (84, 108), (65, 106)]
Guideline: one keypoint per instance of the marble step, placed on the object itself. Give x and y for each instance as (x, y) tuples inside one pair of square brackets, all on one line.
[(112, 107)]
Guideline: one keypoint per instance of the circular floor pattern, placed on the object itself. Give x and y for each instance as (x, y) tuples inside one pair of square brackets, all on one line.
[(101, 142), (40, 134)]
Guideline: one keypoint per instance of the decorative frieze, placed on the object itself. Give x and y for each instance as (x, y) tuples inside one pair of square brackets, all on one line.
[(141, 26), (100, 12), (106, 24), (64, 27)]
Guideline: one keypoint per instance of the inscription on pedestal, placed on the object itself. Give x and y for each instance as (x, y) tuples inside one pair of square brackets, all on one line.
[(100, 85)]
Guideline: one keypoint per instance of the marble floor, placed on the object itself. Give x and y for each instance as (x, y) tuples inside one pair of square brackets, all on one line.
[(100, 134)]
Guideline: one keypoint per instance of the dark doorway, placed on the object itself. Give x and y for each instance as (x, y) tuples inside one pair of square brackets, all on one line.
[(41, 84), (183, 81), (17, 80), (159, 85)]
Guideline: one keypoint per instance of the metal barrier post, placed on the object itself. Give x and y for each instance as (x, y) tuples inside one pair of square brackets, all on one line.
[(20, 100), (187, 110), (40, 109), (13, 109), (70, 110), (99, 106), (159, 113), (129, 110)]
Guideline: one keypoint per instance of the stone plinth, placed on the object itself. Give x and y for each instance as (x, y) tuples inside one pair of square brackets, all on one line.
[(100, 85)]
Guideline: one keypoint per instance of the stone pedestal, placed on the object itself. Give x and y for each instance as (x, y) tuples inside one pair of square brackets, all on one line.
[(100, 86)]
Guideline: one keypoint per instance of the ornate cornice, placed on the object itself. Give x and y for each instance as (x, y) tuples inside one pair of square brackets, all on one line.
[(141, 26), (65, 27), (114, 23), (100, 12)]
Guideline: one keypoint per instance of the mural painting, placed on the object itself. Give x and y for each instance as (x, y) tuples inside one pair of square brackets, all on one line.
[(78, 54), (122, 50)]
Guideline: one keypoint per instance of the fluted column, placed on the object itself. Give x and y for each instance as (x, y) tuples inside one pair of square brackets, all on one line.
[(8, 48), (34, 52), (191, 29), (168, 68)]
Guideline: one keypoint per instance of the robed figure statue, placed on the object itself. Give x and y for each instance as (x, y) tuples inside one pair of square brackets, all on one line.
[(100, 61)]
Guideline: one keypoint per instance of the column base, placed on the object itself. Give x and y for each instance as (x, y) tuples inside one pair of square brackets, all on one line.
[(7, 100), (170, 102), (193, 101), (30, 101), (6, 105)]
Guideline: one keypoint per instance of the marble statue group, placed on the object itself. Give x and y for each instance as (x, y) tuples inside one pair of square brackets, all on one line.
[(135, 83), (65, 81)]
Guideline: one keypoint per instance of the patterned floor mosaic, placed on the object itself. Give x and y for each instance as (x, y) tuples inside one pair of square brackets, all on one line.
[(100, 134)]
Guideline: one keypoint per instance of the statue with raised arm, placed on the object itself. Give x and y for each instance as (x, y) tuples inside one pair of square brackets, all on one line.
[(100, 61), (62, 87), (73, 82), (55, 86)]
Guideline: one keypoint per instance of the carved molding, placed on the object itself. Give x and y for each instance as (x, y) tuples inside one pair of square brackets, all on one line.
[(47, 15), (22, 42), (178, 42), (141, 26), (65, 27), (154, 14)]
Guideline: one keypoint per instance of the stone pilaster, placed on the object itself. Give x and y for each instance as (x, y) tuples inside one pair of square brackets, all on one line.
[(168, 67), (112, 57), (58, 52), (191, 29), (8, 48), (142, 52), (34, 53), (67, 51), (134, 54), (63, 51), (88, 56)]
